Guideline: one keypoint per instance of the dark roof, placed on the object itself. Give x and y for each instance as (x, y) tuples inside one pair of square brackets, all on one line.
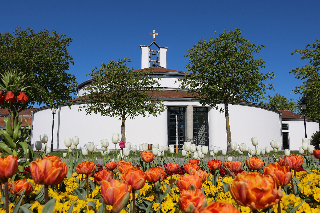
[(25, 115), (289, 115)]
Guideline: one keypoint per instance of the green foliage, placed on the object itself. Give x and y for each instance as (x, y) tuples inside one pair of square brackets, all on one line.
[(310, 76), (119, 91), (280, 102), (315, 140), (42, 59)]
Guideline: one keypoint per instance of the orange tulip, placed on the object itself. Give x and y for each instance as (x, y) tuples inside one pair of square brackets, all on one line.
[(190, 200), (189, 182), (155, 174), (51, 157), (293, 161), (256, 190), (214, 164), (172, 167), (9, 97), (48, 172), (115, 193), (281, 174), (194, 161), (19, 186), (124, 166), (1, 97), (233, 166), (86, 167), (102, 175), (316, 153), (254, 163), (22, 97), (134, 177), (8, 167), (110, 166), (191, 168), (218, 207), (147, 156), (202, 174)]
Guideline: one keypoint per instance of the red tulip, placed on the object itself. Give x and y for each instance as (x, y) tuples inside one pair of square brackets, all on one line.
[(115, 193), (214, 164), (19, 186), (172, 167), (22, 97), (8, 167), (194, 161), (122, 144), (47, 171), (86, 167), (316, 153), (9, 97)]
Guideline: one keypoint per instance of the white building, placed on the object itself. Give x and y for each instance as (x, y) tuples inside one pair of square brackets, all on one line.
[(202, 125)]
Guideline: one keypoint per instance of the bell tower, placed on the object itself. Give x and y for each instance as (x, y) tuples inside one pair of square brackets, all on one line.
[(151, 57)]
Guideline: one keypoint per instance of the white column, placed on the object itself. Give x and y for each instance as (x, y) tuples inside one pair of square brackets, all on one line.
[(189, 123), (144, 57), (163, 57)]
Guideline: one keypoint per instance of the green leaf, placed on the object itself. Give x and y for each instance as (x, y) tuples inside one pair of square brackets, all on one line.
[(295, 208), (4, 147), (71, 207), (49, 207), (25, 209), (17, 205)]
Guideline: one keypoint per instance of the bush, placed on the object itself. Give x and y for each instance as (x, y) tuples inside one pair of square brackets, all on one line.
[(315, 139)]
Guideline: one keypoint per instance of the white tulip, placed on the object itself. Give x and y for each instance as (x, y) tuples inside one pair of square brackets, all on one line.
[(43, 148), (84, 151), (160, 154), (103, 148), (104, 143), (128, 145), (64, 155), (103, 153), (200, 155), (212, 153), (134, 148), (306, 140), (187, 146), (277, 145), (171, 149), (215, 150), (204, 150), (44, 138), (156, 145), (304, 146), (301, 150), (126, 151), (249, 155), (155, 151), (310, 149), (263, 151), (252, 151), (183, 147), (95, 148), (75, 141), (243, 147), (115, 138), (239, 151), (107, 151), (145, 147), (38, 145), (195, 155), (72, 147), (69, 149), (224, 152), (184, 153), (198, 147), (234, 146), (161, 149), (67, 142), (287, 152), (48, 150), (268, 150), (272, 143), (165, 148), (229, 158), (140, 147), (254, 141), (90, 147), (193, 148), (258, 151)]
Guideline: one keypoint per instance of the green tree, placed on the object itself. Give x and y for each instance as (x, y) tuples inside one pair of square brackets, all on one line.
[(310, 75), (117, 90), (224, 71), (42, 59), (280, 102)]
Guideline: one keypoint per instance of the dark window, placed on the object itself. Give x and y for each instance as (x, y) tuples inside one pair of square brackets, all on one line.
[(285, 126), (285, 140), (172, 125), (200, 126)]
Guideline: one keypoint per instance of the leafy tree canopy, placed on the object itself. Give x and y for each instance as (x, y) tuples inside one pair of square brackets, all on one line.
[(310, 75), (42, 59), (280, 102)]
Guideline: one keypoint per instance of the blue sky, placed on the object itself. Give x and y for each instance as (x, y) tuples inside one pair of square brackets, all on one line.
[(110, 30)]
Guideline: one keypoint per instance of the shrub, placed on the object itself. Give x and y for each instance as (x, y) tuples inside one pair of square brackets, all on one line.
[(315, 139)]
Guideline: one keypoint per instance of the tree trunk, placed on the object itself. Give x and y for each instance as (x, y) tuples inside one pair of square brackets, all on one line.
[(226, 114), (123, 128)]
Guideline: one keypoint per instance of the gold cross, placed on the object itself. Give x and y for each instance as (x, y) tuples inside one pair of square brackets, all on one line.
[(154, 34)]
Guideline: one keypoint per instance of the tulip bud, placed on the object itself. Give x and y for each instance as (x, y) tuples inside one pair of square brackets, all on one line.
[(310, 149), (233, 146), (67, 142), (75, 141), (193, 148), (272, 143), (306, 140), (155, 151), (126, 152), (108, 151), (115, 138), (215, 150), (104, 143), (243, 147), (64, 155), (38, 145), (301, 150), (258, 151), (304, 146), (263, 151), (254, 141), (90, 146), (277, 145), (85, 151), (268, 150), (224, 152), (187, 146), (204, 150), (287, 152), (72, 147), (134, 148), (44, 138)]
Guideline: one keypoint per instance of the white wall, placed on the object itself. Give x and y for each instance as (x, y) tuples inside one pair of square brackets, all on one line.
[(245, 122), (296, 132)]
